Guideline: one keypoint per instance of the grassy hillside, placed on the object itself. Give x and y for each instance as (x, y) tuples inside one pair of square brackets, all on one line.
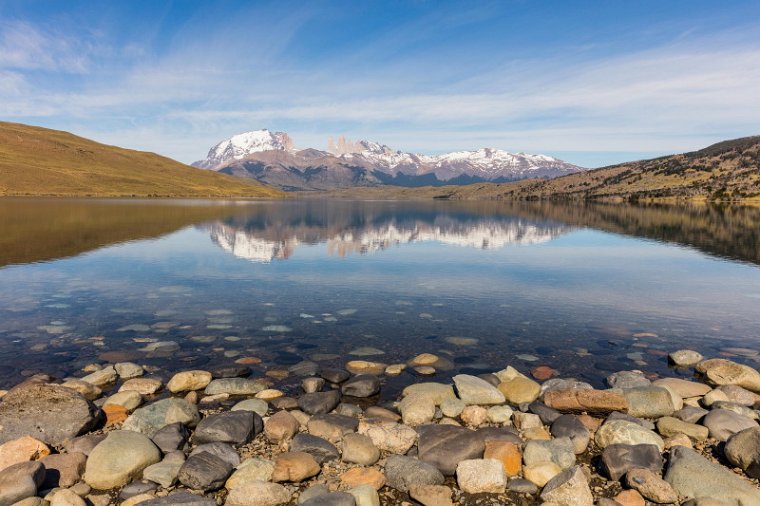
[(727, 171), (37, 162)]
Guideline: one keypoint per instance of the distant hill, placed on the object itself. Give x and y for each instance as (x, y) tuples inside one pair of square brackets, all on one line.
[(728, 170), (37, 161)]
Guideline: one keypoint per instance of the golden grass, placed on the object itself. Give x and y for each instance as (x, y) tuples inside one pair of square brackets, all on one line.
[(38, 161)]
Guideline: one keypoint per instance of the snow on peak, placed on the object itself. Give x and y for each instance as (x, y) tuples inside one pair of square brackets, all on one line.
[(241, 145)]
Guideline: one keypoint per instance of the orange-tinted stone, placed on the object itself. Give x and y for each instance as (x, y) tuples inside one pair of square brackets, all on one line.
[(248, 361), (577, 401), (363, 476), (115, 414), (509, 454), (630, 498), (543, 372)]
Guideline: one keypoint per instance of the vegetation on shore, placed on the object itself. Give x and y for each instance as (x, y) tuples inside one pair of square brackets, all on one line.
[(38, 161)]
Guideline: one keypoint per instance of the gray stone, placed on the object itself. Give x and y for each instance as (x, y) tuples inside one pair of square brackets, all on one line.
[(222, 450), (305, 368), (618, 459), (743, 451), (444, 446), (723, 423), (473, 390), (284, 402), (19, 481), (321, 449), (402, 472), (365, 495), (335, 375), (332, 427), (163, 473), (685, 358), (153, 417), (739, 395), (548, 415), (651, 486), (649, 402), (569, 488), (359, 449), (180, 499), (559, 451), (564, 384), (259, 406), (235, 427), (475, 476), (736, 408), (624, 432), (63, 469), (362, 385), (627, 379), (348, 409), (119, 458), (690, 414), (170, 438), (204, 471), (50, 413), (313, 491), (234, 386), (617, 415), (693, 476), (127, 370), (668, 426), (137, 487), (319, 402), (571, 427), (331, 499), (235, 371), (83, 444), (522, 486)]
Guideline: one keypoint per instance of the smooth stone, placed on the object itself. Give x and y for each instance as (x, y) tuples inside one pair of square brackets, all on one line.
[(153, 417), (294, 466), (63, 469), (87, 390), (189, 380), (130, 400), (737, 408), (23, 449), (83, 444), (569, 488), (743, 451), (431, 495), (204, 471), (239, 371), (723, 423), (616, 415), (475, 476), (102, 377), (358, 476), (651, 486), (522, 486), (366, 351), (627, 379), (720, 371), (180, 498), (49, 413), (163, 473), (682, 387), (649, 402), (365, 495), (320, 449), (171, 437), (334, 375), (618, 459), (402, 472), (473, 390), (359, 449), (693, 476), (128, 370), (331, 499), (256, 405), (444, 446), (145, 386), (490, 378), (685, 358), (66, 497), (222, 450), (389, 436), (313, 491), (438, 393), (319, 402), (548, 415), (280, 427), (234, 386), (380, 412), (366, 367), (583, 400), (571, 427), (540, 474), (690, 414), (249, 470), (347, 409), (668, 426), (332, 427), (20, 481), (304, 368), (362, 385), (625, 432), (560, 451), (234, 427), (564, 384), (258, 493), (739, 395), (119, 458), (288, 403), (452, 407), (313, 384), (137, 488), (520, 390), (416, 409)]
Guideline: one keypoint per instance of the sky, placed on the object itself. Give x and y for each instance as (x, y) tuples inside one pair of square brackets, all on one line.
[(590, 82)]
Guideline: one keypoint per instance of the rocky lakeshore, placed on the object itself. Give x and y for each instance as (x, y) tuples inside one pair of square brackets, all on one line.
[(119, 435)]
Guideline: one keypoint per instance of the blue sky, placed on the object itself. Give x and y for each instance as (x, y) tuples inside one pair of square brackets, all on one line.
[(590, 82)]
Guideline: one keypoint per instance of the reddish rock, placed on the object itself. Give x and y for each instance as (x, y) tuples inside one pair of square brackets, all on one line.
[(507, 453), (592, 401), (294, 466), (543, 372), (248, 361), (115, 414), (363, 476), (630, 498)]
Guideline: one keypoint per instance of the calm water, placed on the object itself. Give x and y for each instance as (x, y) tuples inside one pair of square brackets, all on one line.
[(586, 290)]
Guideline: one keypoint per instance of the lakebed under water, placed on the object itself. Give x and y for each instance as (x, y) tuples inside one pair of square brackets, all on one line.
[(584, 289)]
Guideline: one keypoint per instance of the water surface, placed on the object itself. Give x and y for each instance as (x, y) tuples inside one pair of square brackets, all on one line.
[(585, 289)]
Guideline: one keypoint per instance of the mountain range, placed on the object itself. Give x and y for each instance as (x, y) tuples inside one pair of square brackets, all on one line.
[(273, 159)]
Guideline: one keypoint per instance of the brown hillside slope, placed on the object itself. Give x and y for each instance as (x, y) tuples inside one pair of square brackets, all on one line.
[(37, 161)]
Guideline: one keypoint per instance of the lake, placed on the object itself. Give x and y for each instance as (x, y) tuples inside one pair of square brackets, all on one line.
[(584, 289)]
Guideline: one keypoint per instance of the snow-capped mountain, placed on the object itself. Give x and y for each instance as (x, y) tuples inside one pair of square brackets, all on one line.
[(239, 146), (270, 158)]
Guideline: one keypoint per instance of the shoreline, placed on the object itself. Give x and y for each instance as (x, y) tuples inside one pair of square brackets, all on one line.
[(525, 437)]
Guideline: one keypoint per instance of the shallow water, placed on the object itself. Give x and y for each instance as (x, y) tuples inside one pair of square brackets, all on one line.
[(585, 289)]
